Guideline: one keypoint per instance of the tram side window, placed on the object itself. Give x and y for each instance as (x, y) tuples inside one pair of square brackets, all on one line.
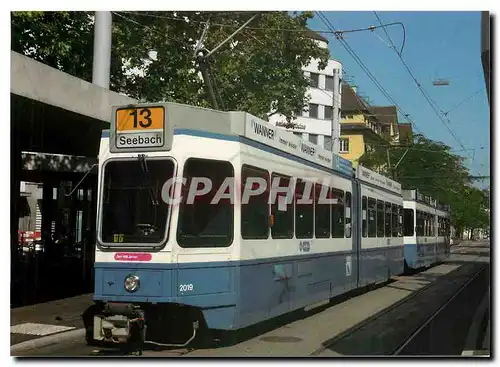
[(304, 209), (442, 226), (322, 211), (427, 224), (282, 208), (401, 221), (254, 214), (432, 225), (420, 223), (409, 219), (364, 216), (424, 216), (388, 219), (372, 217), (394, 221), (380, 218), (348, 224), (201, 222), (338, 213)]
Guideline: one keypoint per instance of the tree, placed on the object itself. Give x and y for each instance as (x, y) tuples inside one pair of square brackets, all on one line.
[(259, 71), (434, 170)]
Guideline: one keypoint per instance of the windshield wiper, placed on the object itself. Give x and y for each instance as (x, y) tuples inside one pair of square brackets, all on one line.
[(147, 179)]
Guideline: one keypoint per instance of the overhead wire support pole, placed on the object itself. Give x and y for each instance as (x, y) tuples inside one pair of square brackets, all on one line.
[(203, 55), (402, 157), (231, 36), (102, 49), (203, 62)]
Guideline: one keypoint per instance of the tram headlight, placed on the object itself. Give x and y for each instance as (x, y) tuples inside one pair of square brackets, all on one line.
[(132, 283)]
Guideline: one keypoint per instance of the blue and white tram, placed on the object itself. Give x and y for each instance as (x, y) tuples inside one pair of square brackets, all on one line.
[(175, 241), (425, 241), (443, 217), (381, 227)]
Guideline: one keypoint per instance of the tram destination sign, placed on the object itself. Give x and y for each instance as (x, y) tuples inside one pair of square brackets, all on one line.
[(139, 127)]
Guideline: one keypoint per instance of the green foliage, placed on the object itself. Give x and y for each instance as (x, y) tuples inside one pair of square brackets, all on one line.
[(433, 169), (262, 72), (63, 40)]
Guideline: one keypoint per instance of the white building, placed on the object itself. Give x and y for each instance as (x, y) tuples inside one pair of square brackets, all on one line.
[(321, 120)]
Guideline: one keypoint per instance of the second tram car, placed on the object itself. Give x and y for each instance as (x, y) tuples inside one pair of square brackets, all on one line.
[(426, 232)]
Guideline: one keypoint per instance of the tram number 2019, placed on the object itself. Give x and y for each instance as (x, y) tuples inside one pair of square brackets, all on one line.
[(185, 287)]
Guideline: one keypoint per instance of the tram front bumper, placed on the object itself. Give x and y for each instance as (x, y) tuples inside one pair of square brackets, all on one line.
[(118, 327), (112, 328)]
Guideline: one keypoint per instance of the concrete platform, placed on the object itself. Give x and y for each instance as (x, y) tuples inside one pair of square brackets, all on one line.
[(49, 318)]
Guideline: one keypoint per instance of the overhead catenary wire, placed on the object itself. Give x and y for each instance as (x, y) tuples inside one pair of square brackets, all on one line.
[(431, 102), (147, 27), (463, 101), (277, 29), (418, 149), (353, 54), (214, 24)]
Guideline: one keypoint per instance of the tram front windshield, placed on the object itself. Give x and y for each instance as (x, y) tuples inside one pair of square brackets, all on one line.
[(132, 208)]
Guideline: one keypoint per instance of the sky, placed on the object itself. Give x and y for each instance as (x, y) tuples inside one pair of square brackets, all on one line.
[(438, 45)]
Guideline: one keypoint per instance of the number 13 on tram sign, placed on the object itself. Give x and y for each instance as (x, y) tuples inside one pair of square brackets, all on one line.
[(140, 127)]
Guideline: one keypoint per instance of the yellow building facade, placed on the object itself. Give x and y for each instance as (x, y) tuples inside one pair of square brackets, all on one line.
[(364, 127)]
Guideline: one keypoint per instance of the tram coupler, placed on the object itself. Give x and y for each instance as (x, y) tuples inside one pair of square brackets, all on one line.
[(121, 323)]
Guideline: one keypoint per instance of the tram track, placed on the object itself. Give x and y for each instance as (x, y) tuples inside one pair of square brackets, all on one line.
[(405, 346), (396, 329)]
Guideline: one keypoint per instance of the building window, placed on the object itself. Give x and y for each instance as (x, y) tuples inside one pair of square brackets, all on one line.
[(328, 142), (314, 80), (328, 112), (313, 110), (297, 134), (313, 138), (329, 83), (344, 146)]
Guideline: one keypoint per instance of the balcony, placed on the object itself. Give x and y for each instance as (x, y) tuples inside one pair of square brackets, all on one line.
[(360, 124)]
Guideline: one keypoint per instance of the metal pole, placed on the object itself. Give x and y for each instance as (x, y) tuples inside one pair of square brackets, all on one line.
[(203, 62), (231, 36), (397, 164), (102, 49), (335, 113)]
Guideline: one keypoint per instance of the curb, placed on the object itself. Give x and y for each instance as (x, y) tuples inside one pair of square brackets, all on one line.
[(46, 340)]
